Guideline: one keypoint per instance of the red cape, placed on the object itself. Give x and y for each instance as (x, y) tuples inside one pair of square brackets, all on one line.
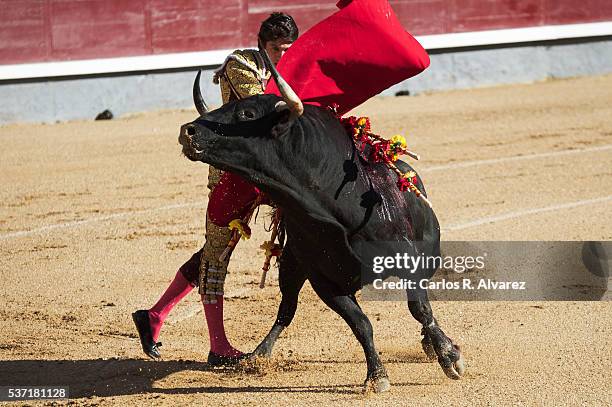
[(354, 54)]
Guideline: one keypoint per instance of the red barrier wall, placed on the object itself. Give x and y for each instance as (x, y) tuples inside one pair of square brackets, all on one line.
[(56, 30)]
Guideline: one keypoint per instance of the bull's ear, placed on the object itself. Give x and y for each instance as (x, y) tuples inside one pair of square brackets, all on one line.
[(283, 123)]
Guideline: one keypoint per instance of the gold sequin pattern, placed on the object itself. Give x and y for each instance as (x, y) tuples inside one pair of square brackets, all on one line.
[(241, 79)]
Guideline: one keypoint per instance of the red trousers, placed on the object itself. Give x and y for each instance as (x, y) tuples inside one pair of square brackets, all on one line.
[(230, 199)]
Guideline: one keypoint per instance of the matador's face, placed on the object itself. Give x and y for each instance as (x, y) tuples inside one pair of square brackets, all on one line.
[(277, 48)]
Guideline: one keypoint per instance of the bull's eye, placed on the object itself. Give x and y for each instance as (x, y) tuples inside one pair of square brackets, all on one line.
[(246, 114)]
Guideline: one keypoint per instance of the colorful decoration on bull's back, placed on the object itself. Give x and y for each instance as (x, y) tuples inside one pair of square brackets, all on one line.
[(382, 150)]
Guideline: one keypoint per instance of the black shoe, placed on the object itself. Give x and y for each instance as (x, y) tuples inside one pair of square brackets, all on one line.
[(216, 360), (143, 325)]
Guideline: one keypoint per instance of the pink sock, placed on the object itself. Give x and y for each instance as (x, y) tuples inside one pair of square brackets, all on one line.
[(216, 330), (178, 289)]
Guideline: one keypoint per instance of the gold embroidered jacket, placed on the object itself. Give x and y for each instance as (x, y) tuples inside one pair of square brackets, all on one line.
[(243, 74)]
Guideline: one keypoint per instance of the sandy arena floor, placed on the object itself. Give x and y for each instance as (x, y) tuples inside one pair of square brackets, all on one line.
[(96, 217)]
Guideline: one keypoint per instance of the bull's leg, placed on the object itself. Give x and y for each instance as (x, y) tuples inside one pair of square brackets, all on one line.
[(346, 306), (435, 342), (291, 280)]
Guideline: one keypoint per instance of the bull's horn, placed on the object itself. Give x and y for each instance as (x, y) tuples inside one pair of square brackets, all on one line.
[(198, 100), (294, 102)]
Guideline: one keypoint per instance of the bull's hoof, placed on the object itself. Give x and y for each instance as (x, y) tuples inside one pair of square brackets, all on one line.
[(253, 357), (453, 368), (378, 382), (377, 385), (449, 354), (429, 350), (260, 352)]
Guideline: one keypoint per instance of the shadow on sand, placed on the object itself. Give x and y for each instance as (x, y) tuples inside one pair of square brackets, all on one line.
[(119, 377)]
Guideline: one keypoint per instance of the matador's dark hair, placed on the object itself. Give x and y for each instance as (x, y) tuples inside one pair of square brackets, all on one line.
[(278, 26)]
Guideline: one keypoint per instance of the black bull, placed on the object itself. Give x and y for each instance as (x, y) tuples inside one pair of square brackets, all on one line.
[(334, 204)]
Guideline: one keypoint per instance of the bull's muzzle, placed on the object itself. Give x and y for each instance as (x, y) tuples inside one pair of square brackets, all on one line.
[(186, 135)]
